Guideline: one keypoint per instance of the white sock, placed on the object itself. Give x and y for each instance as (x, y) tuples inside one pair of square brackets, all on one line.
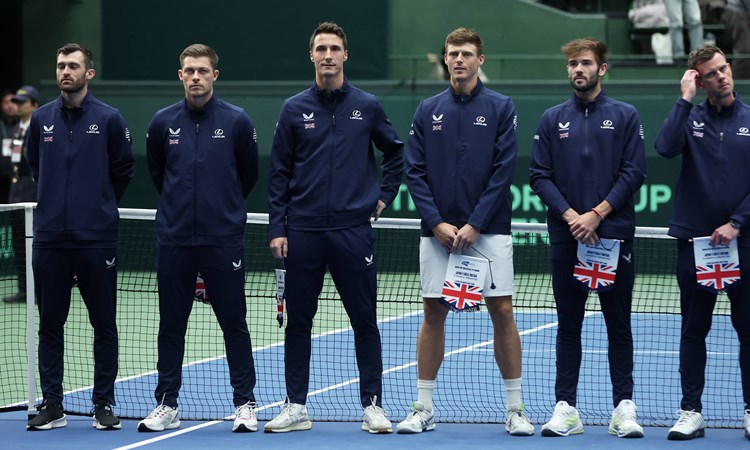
[(424, 392), (513, 393)]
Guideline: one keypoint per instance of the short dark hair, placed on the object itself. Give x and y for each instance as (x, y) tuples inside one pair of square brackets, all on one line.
[(329, 28), (72, 47), (462, 35), (199, 50), (577, 46), (703, 54)]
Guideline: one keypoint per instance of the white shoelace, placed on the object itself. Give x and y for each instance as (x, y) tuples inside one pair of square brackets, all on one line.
[(686, 416), (246, 411), (160, 411)]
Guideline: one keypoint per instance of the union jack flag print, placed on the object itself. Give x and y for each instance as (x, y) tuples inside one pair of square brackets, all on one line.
[(459, 296), (717, 276), (594, 275), (200, 290)]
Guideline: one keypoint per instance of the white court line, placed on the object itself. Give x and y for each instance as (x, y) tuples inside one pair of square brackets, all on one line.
[(214, 358), (338, 385)]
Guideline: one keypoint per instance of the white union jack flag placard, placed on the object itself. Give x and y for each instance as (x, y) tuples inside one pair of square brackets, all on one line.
[(596, 268), (464, 282), (716, 266)]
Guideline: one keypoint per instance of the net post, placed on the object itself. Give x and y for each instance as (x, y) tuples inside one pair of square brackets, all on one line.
[(30, 313)]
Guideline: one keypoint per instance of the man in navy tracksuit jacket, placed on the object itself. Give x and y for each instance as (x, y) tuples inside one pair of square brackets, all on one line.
[(323, 189), (588, 162), (712, 199), (203, 159), (460, 164), (78, 150)]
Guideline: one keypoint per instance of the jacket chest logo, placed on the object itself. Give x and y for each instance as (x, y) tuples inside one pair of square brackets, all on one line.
[(93, 129), (480, 121), (309, 120), (218, 134), (437, 122), (607, 125), (356, 115), (698, 128), (48, 132), (563, 129), (743, 131), (174, 136)]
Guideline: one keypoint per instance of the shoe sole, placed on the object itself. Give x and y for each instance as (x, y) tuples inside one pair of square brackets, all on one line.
[(58, 423), (677, 436), (302, 426), (520, 433), (99, 426), (429, 427), (630, 435), (552, 433), (377, 430), (243, 428), (171, 426)]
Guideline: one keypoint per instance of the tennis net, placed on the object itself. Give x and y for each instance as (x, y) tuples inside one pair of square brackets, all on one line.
[(469, 383)]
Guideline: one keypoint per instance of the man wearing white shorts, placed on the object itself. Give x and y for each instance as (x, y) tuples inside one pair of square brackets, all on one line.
[(460, 163), (497, 248)]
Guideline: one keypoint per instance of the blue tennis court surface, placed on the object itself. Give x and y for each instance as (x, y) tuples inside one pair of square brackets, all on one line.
[(656, 358), (79, 435)]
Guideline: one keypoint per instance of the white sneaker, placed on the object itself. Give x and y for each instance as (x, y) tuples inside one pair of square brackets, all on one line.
[(374, 419), (623, 422), (564, 422), (293, 417), (420, 419), (162, 418), (690, 425), (747, 424), (244, 418), (516, 422)]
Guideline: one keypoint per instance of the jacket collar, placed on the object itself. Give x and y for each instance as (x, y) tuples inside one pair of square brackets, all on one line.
[(592, 105), (726, 110), (461, 98), (322, 94), (84, 103), (209, 104), (201, 112)]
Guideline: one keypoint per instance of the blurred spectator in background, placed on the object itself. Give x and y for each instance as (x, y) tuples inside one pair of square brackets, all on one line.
[(681, 13), (8, 128), (737, 21), (22, 186)]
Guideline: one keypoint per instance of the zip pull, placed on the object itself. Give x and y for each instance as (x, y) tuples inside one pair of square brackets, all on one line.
[(70, 136), (197, 128), (721, 136)]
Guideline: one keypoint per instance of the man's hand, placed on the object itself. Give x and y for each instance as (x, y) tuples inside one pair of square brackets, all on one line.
[(465, 238), (689, 84), (279, 247), (378, 209), (583, 226), (724, 235), (445, 234)]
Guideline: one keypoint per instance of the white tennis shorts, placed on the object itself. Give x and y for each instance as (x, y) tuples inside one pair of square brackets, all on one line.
[(498, 248)]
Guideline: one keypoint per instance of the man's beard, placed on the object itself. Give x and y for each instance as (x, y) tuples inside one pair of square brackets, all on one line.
[(590, 84)]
